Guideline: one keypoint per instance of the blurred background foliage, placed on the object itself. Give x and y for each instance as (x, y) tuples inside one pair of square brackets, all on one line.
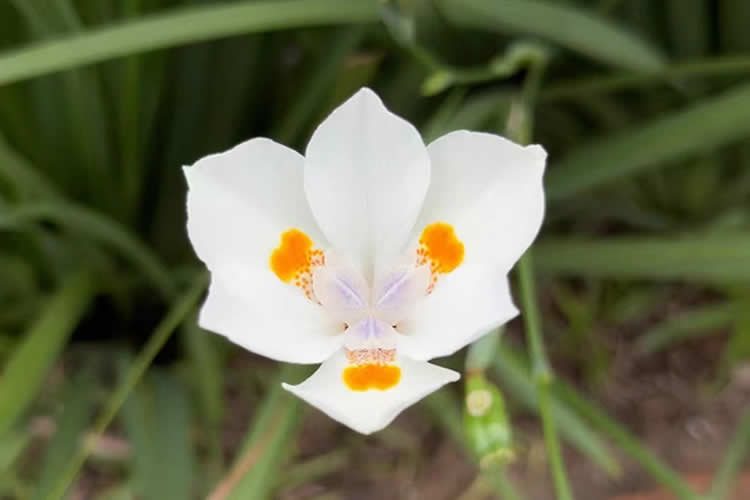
[(109, 390)]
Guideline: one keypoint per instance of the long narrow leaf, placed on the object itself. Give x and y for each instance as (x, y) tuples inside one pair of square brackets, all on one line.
[(700, 127), (718, 258), (31, 361), (566, 25), (178, 28)]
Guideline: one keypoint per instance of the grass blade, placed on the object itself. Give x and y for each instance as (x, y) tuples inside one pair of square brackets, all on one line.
[(41, 345), (732, 464), (719, 258), (655, 143), (181, 308), (71, 429), (100, 228), (565, 25), (157, 420), (685, 325), (178, 28)]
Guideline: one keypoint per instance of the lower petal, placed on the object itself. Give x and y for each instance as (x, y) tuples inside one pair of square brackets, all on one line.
[(368, 411), (466, 304), (263, 315)]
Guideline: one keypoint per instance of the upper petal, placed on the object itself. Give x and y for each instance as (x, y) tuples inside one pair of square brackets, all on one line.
[(490, 190), (239, 203), (369, 411), (241, 200), (366, 174)]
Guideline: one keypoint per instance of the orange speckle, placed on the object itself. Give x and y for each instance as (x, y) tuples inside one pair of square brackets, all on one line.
[(292, 256), (371, 376), (442, 247)]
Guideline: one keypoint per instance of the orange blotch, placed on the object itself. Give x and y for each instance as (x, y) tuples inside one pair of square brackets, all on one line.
[(442, 247), (371, 376), (292, 256)]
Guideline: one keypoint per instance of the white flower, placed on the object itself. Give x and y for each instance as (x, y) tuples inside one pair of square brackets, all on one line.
[(371, 254)]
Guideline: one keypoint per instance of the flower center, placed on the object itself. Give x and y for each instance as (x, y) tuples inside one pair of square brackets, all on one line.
[(369, 311)]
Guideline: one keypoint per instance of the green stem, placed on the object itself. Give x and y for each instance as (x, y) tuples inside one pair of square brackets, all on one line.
[(520, 125), (161, 334), (542, 375), (732, 463)]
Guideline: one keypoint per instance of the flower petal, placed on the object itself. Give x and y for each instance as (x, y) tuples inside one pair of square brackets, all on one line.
[(369, 411), (341, 289), (239, 203), (259, 313), (466, 304), (366, 175), (489, 190)]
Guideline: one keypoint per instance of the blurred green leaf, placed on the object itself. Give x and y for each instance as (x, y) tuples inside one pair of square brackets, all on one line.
[(567, 25), (687, 324), (655, 143), (32, 359), (181, 308), (71, 428), (719, 258), (178, 28), (99, 227), (157, 420)]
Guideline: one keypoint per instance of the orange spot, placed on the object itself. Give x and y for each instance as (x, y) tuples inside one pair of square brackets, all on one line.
[(442, 247), (292, 256), (371, 376)]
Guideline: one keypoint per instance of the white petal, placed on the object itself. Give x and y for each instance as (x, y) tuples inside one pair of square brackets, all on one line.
[(258, 312), (239, 202), (370, 411), (341, 289), (465, 304), (398, 292), (366, 174), (490, 190)]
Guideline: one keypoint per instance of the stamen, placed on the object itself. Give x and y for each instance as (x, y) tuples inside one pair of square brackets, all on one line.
[(361, 378)]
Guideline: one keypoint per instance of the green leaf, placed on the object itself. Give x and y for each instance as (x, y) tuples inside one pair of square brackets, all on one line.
[(178, 28), (655, 143), (71, 427), (29, 364), (157, 420), (718, 258), (99, 227), (688, 324), (182, 306), (568, 26)]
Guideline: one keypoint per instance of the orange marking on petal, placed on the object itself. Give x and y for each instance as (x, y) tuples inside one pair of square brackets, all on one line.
[(442, 247), (371, 376), (292, 256)]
